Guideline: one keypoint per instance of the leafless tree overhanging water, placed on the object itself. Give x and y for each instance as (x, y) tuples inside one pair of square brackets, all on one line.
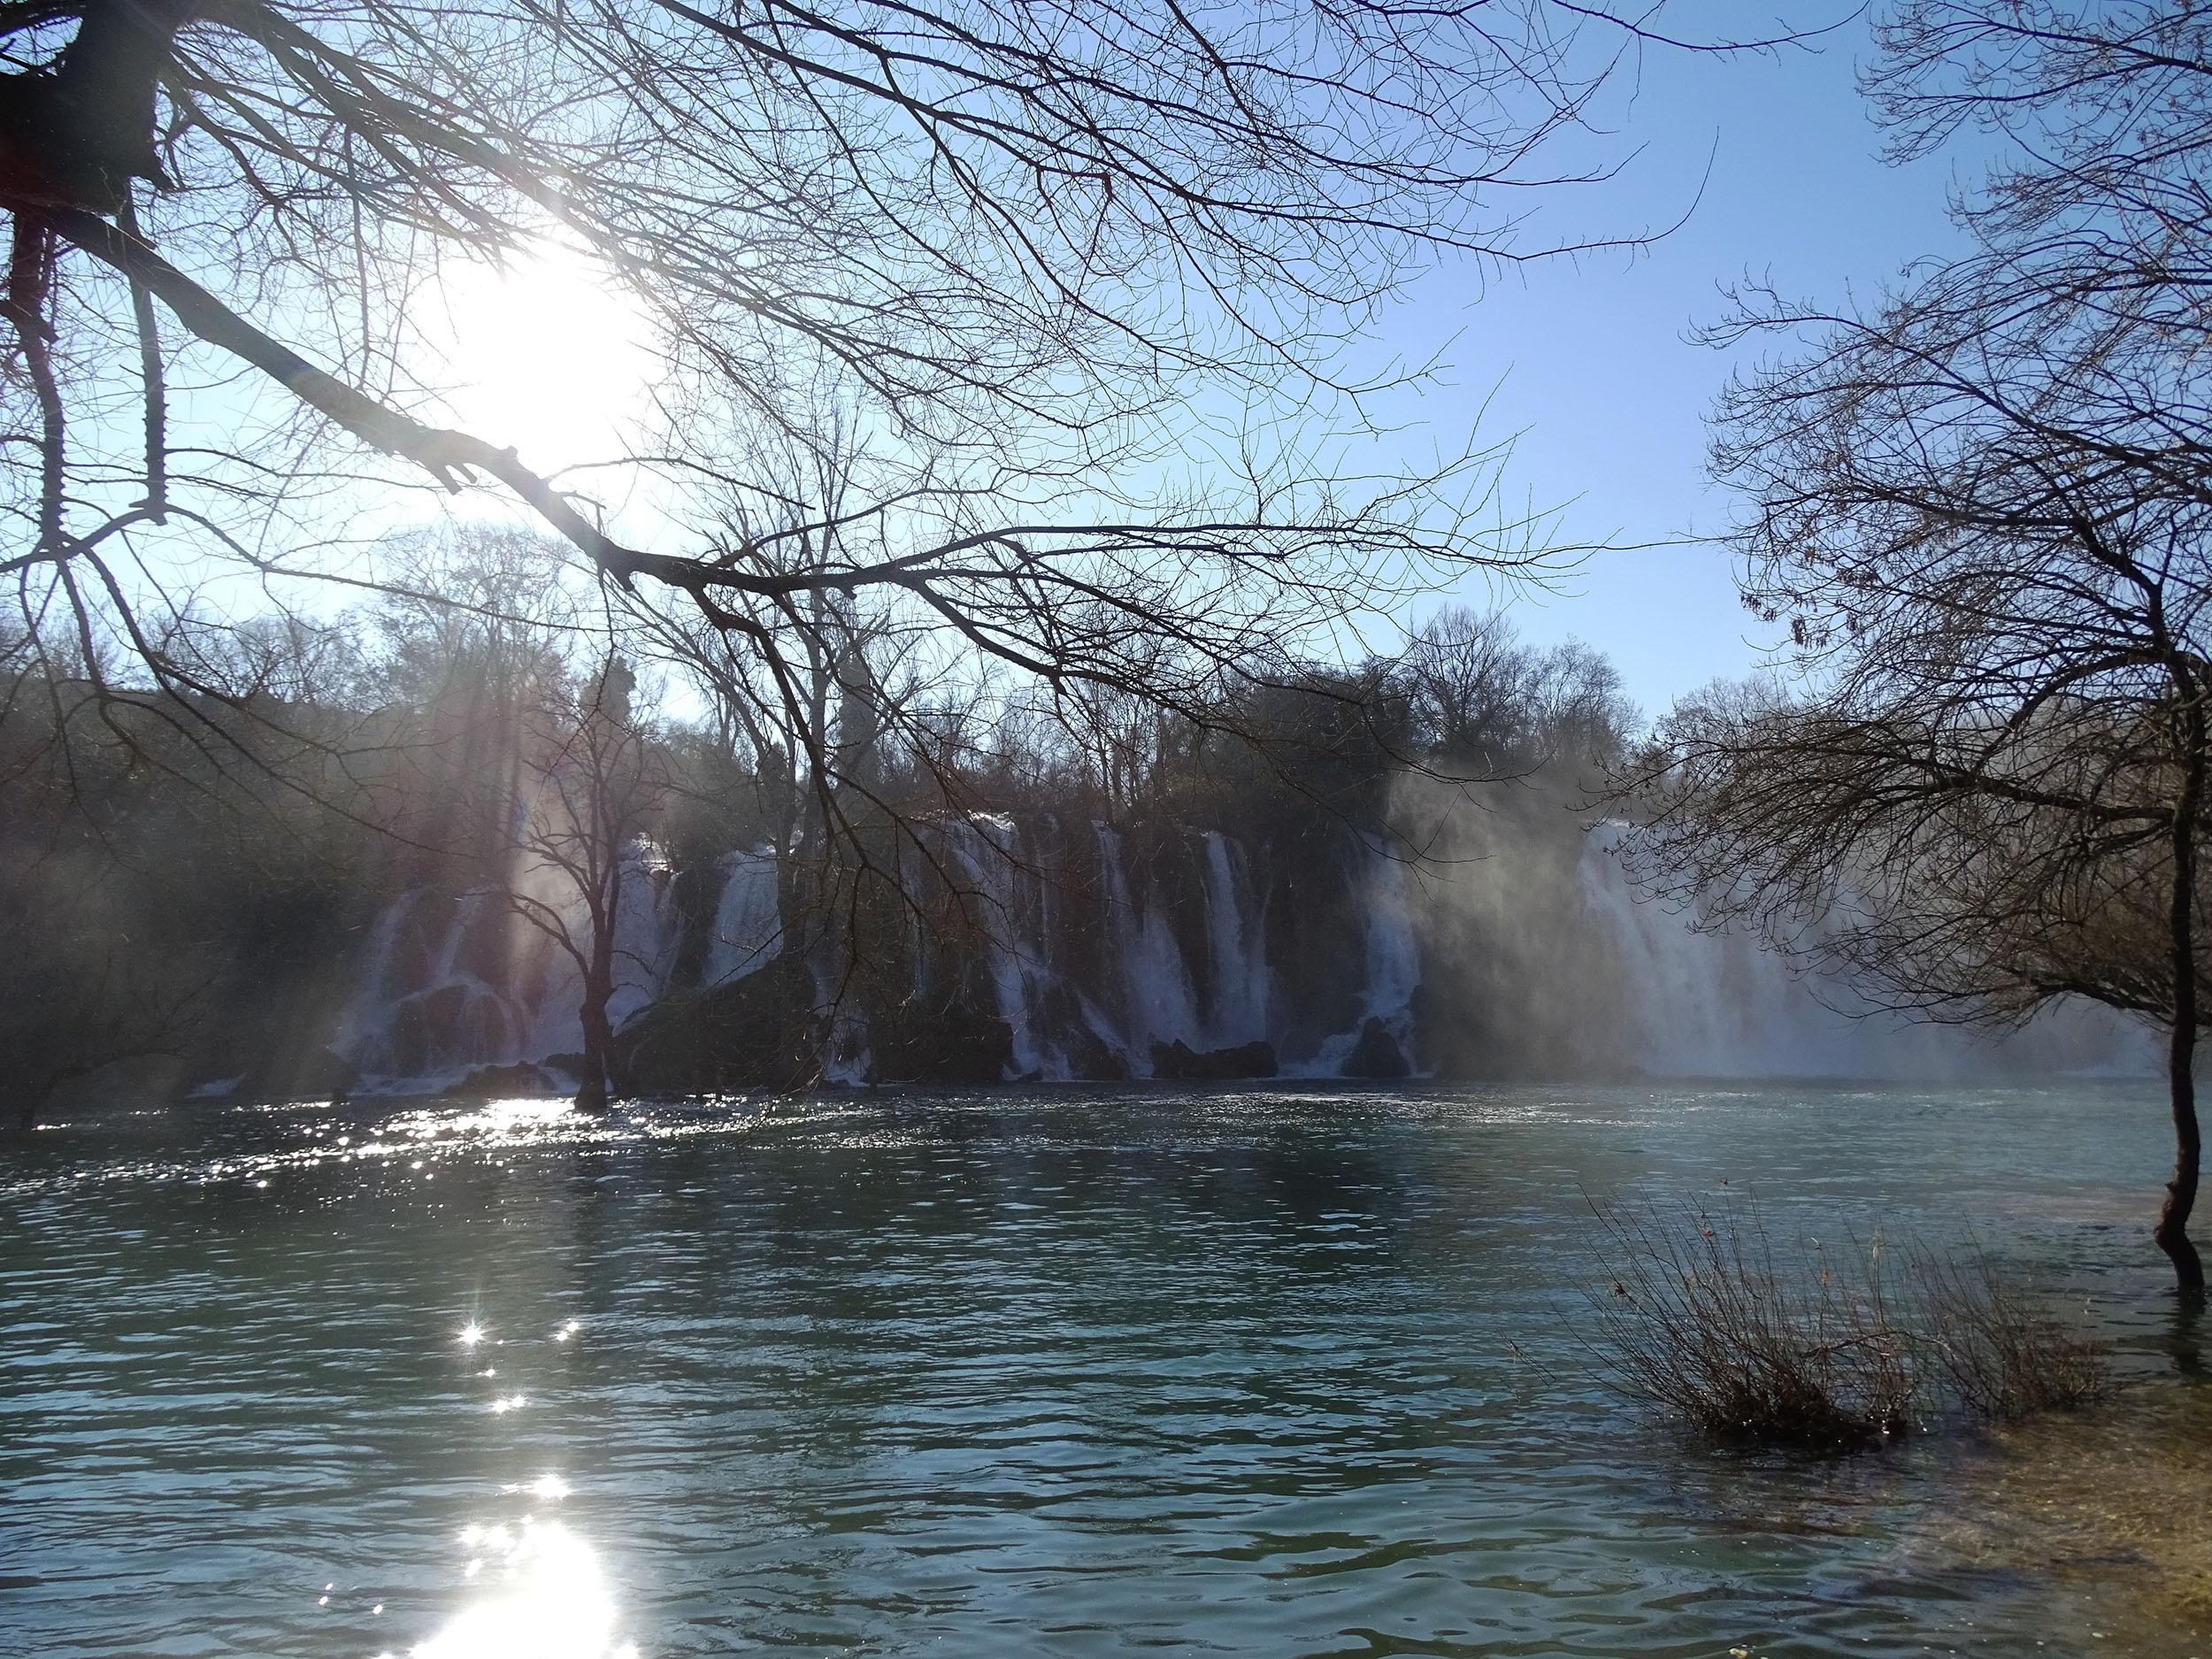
[(1017, 252), (1979, 507), (1018, 347)]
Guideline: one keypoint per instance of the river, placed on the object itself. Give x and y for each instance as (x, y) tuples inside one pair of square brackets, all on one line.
[(1267, 1371)]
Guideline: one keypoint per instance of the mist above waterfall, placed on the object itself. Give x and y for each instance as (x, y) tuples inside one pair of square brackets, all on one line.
[(1542, 958)]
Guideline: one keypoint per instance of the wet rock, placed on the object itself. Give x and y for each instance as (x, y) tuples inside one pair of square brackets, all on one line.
[(947, 1042), (1177, 1060), (503, 1082), (1058, 1019), (316, 1074), (131, 1083), (1091, 1058), (424, 1029), (1376, 1054), (759, 1032)]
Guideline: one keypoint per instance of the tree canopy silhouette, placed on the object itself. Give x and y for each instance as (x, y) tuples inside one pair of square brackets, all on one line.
[(1980, 508), (1063, 287)]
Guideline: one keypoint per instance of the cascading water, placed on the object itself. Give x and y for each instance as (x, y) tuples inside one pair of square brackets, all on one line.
[(1096, 949), (748, 927), (1714, 1004), (457, 981), (983, 848), (1391, 957), (435, 1000), (1708, 1004), (1394, 954), (1158, 1003), (452, 983), (1236, 943)]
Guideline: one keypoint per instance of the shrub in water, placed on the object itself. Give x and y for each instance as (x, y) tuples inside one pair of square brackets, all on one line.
[(1822, 1350), (2001, 1356)]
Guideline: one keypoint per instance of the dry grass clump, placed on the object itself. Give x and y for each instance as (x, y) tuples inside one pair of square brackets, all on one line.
[(2003, 1358), (1823, 1349)]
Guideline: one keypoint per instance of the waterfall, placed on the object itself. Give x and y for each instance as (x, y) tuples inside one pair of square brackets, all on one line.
[(1537, 958), (986, 895), (1390, 961), (1058, 1014), (1393, 955), (456, 981), (748, 927), (1010, 900), (1155, 985), (429, 1009), (1236, 946), (1086, 982), (1708, 1003), (1715, 1004), (368, 1016), (1698, 1011)]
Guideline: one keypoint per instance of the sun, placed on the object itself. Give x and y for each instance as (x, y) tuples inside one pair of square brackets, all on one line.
[(544, 357)]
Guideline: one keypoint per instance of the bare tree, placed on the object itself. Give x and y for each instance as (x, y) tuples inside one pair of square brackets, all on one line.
[(1989, 789), (595, 794), (1485, 704), (2099, 111), (1981, 509), (1035, 251)]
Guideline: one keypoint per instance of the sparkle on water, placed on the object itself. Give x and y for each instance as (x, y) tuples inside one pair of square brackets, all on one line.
[(1268, 1373), (547, 1599)]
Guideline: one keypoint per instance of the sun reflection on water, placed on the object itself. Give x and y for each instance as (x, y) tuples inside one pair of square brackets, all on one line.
[(545, 1597)]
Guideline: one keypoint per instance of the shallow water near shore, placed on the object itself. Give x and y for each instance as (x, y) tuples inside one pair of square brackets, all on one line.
[(1269, 1371)]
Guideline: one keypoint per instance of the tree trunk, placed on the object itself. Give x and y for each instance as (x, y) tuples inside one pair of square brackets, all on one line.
[(2172, 1232), (76, 134), (591, 1095)]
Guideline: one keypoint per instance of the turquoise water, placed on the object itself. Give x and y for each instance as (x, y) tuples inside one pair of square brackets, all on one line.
[(1271, 1372)]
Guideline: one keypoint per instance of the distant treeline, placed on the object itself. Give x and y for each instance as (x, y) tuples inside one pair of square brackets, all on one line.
[(193, 876)]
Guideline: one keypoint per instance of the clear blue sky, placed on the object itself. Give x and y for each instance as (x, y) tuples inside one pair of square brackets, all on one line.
[(1590, 361)]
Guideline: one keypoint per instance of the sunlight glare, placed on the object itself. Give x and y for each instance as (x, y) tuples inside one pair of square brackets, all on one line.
[(551, 1601), (545, 358)]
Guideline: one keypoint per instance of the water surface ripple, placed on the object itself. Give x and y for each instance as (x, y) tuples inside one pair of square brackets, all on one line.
[(1282, 1373)]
